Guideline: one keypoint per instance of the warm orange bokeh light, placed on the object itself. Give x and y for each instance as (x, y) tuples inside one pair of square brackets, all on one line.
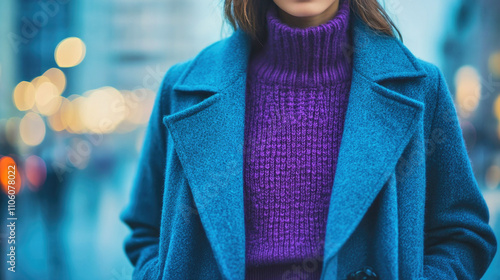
[(10, 176)]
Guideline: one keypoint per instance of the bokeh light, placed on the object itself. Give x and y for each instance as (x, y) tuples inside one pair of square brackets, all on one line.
[(70, 114), (102, 110), (56, 121), (9, 175), (32, 129), (468, 87), (70, 52), (496, 107), (36, 171), (47, 98), (57, 77), (37, 81), (24, 96)]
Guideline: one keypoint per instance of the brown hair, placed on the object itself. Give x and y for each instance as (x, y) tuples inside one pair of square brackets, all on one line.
[(249, 15)]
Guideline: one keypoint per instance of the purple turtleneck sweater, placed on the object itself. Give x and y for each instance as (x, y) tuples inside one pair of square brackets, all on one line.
[(296, 96)]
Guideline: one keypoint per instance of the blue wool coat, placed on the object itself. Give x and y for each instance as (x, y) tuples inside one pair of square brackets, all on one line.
[(404, 199)]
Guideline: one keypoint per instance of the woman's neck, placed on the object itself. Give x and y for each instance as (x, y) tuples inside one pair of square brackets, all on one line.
[(309, 21)]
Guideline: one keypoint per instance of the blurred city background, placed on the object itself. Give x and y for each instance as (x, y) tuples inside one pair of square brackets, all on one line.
[(67, 65)]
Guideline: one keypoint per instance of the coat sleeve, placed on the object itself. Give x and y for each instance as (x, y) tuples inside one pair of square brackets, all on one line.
[(143, 213), (459, 243)]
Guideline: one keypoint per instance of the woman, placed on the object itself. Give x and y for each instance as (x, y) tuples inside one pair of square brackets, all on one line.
[(310, 144)]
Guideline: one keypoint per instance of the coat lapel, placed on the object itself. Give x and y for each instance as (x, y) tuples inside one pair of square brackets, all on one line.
[(209, 136), (378, 125)]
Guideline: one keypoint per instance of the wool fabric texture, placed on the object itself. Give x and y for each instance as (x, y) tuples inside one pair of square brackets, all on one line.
[(404, 202), (297, 92)]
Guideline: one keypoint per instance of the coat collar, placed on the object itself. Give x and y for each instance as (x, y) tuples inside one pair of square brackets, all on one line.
[(376, 57), (209, 138)]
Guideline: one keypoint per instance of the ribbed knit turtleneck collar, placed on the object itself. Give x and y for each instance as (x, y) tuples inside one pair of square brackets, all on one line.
[(304, 56)]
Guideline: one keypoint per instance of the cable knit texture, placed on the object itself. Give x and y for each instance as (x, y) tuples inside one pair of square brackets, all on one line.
[(296, 97)]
